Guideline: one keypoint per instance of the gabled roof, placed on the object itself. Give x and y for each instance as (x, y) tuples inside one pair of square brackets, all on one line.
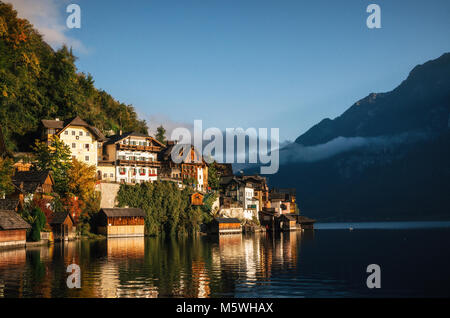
[(59, 217), (166, 153), (116, 138), (9, 204), (29, 181), (76, 121), (10, 220), (227, 220), (123, 212), (55, 124), (32, 176)]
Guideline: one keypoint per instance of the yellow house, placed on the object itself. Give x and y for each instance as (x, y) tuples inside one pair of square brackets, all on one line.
[(83, 140)]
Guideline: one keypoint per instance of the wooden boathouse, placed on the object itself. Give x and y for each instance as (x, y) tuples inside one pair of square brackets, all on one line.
[(13, 229), (121, 222), (62, 225), (225, 226)]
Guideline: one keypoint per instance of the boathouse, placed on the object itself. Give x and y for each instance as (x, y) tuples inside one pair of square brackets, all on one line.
[(13, 229), (225, 226), (121, 222), (197, 198), (286, 223), (62, 225)]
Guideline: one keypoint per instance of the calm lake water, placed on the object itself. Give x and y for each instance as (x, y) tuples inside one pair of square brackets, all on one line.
[(329, 262)]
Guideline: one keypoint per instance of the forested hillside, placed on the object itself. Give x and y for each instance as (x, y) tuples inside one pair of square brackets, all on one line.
[(38, 83)]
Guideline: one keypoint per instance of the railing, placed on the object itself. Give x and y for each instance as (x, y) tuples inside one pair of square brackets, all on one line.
[(138, 148), (138, 163)]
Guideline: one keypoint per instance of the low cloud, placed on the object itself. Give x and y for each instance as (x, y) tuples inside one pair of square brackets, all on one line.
[(49, 18), (299, 153)]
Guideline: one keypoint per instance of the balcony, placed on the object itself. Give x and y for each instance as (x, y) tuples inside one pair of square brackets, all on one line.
[(140, 163), (138, 148)]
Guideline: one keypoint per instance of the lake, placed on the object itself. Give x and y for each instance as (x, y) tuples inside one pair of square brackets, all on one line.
[(330, 261)]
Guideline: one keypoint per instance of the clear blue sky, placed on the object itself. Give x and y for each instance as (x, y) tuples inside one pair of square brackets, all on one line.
[(255, 63)]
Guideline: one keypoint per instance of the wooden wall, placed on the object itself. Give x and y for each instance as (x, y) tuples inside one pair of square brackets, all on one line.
[(12, 235)]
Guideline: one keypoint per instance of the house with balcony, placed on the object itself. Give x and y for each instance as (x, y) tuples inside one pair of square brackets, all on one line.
[(192, 169), (236, 191), (130, 158), (83, 139)]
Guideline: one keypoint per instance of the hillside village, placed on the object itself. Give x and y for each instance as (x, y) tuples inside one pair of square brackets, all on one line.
[(237, 202)]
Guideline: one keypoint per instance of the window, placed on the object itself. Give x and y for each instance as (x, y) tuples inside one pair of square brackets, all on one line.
[(74, 145), (66, 132), (86, 158), (73, 132), (77, 137), (105, 175), (81, 133), (88, 134), (86, 146), (111, 175)]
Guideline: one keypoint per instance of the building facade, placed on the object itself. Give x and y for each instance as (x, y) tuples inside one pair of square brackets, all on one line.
[(193, 169), (130, 158), (83, 140)]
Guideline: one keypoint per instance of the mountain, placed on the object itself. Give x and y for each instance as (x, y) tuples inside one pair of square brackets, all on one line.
[(386, 157), (37, 83)]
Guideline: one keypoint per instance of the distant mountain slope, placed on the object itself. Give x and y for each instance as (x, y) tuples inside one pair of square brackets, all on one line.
[(386, 157), (421, 102), (38, 83)]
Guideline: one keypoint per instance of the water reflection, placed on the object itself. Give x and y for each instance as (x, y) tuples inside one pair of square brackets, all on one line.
[(296, 264), (148, 267)]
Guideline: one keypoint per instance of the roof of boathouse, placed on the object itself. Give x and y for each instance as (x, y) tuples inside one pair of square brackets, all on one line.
[(123, 212)]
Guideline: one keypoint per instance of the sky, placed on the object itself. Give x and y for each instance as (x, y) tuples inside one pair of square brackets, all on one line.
[(244, 63)]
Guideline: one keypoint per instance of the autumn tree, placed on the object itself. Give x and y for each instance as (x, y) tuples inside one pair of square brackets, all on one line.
[(55, 157), (81, 179)]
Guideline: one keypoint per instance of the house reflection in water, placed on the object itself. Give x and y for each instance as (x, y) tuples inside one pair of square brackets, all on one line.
[(12, 259), (121, 273), (252, 258)]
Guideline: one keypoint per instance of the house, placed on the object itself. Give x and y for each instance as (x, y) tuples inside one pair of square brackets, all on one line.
[(121, 222), (13, 229), (31, 185), (225, 226), (62, 225), (304, 222), (130, 158), (283, 200), (191, 169), (237, 189), (197, 198), (267, 218), (83, 139), (286, 222)]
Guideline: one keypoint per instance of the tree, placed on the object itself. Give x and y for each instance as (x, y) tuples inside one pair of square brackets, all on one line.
[(6, 172), (81, 179), (37, 219), (161, 134), (213, 176), (55, 157)]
